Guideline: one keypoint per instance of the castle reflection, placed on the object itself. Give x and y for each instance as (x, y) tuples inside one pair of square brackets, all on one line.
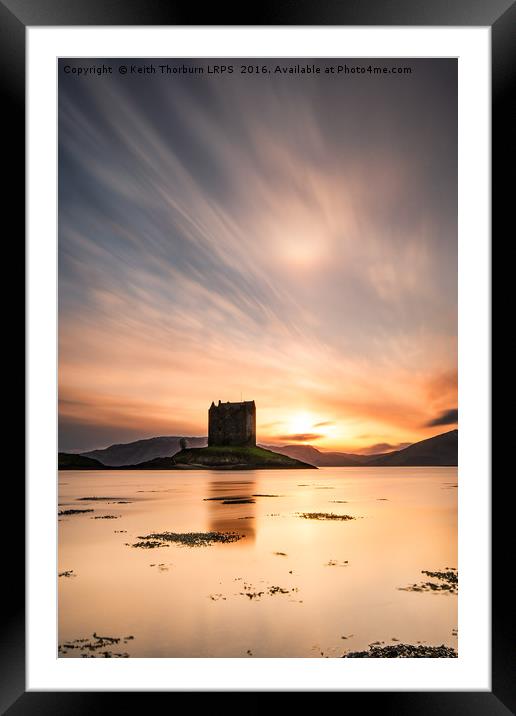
[(231, 507)]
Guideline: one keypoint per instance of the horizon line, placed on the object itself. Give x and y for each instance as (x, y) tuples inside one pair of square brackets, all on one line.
[(279, 444)]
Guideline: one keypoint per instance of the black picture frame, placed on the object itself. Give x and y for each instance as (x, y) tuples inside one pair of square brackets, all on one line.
[(500, 16)]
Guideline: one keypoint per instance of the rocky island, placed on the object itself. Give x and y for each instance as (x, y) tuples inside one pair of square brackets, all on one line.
[(231, 445), (227, 458)]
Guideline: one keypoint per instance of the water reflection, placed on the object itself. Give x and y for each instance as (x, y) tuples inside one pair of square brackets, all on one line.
[(349, 577), (231, 508)]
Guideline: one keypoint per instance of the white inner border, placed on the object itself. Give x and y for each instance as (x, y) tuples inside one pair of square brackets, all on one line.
[(471, 671)]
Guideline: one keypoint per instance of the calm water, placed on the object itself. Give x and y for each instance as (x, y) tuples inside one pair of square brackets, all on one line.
[(341, 579)]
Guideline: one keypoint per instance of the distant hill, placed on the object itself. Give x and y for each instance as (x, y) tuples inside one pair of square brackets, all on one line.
[(69, 461), (441, 450), (142, 450), (308, 453), (438, 450)]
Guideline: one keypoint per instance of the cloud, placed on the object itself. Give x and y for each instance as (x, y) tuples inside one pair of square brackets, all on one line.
[(381, 448), (300, 437), (261, 237), (447, 417)]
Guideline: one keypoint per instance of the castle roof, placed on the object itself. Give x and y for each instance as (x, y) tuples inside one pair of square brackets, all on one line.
[(228, 403)]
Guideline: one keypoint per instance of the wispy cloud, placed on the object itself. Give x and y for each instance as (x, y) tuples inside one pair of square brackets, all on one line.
[(382, 448), (447, 417), (284, 239), (300, 437)]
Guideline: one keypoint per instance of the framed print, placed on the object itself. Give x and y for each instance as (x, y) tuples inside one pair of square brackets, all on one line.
[(258, 321)]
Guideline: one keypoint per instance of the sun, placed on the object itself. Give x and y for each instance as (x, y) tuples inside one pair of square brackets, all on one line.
[(307, 426), (301, 423)]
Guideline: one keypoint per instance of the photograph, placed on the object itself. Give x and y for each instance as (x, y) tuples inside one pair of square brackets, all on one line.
[(257, 357)]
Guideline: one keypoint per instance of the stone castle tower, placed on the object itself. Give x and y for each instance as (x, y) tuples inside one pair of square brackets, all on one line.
[(232, 424)]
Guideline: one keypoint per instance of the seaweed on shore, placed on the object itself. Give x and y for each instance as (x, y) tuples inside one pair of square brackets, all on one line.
[(190, 539), (98, 499), (162, 566), (94, 645), (252, 592), (73, 512), (447, 582), (404, 651), (107, 655), (324, 516), (108, 639)]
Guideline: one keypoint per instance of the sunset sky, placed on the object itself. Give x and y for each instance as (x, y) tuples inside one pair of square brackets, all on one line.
[(290, 239)]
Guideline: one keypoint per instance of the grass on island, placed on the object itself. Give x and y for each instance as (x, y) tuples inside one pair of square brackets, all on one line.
[(228, 455)]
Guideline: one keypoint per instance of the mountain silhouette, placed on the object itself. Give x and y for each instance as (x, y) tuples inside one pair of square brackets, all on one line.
[(440, 450), (143, 450)]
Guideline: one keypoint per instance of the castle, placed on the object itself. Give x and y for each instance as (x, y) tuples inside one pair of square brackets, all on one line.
[(232, 424)]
